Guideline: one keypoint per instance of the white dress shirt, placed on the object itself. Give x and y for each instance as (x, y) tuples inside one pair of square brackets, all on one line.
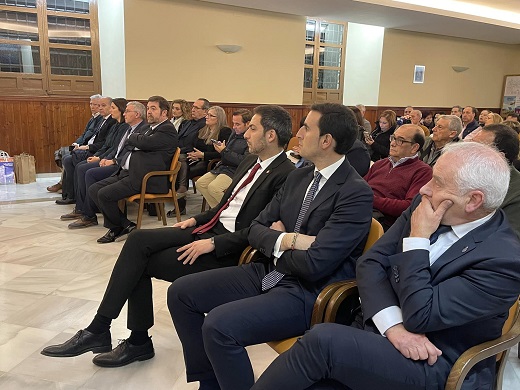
[(229, 215)]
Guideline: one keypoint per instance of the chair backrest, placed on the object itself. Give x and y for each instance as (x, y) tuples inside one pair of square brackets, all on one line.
[(292, 142), (175, 159), (374, 234)]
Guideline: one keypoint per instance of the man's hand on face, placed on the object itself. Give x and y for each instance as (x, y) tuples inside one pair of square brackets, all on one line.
[(425, 220)]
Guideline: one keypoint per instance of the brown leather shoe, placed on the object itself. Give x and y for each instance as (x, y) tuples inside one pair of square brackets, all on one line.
[(84, 222), (74, 214), (54, 188)]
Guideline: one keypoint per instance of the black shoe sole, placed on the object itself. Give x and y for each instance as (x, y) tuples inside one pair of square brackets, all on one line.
[(134, 359), (105, 348)]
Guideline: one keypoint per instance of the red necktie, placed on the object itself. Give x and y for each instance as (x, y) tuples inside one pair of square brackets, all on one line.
[(207, 226)]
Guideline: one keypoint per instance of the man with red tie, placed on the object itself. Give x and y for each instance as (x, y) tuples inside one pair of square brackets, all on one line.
[(209, 240)]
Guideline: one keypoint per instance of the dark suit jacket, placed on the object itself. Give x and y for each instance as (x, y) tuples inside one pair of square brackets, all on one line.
[(89, 131), (460, 301), (156, 149), (188, 131), (109, 149), (101, 135), (260, 194), (469, 128), (339, 216)]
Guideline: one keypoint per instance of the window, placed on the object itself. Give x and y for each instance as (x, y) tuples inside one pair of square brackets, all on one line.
[(49, 47), (324, 61)]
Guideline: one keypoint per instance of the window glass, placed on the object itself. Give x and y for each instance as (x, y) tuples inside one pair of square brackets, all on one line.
[(71, 62), (71, 31), (18, 26), (20, 58)]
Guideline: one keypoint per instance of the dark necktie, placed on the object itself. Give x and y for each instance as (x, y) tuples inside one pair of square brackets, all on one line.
[(272, 278), (440, 230), (207, 226)]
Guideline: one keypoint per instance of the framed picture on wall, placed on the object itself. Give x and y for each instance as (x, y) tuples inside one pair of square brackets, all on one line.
[(511, 95), (418, 74)]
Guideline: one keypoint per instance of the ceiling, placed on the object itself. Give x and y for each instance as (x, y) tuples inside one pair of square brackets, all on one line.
[(493, 21)]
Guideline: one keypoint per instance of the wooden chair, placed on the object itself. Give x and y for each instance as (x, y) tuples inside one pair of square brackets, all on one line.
[(159, 199), (292, 143), (321, 304), (211, 165), (345, 299), (499, 347)]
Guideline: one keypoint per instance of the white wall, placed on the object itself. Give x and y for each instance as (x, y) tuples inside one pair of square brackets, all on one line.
[(112, 47), (363, 64)]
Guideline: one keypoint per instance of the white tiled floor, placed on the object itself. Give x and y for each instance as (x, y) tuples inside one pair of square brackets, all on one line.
[(51, 282)]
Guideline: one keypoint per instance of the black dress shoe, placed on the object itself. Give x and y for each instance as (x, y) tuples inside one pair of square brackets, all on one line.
[(125, 232), (65, 201), (81, 342), (109, 236), (125, 353)]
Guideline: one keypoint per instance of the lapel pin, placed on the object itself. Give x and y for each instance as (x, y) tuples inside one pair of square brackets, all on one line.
[(464, 249), (268, 171)]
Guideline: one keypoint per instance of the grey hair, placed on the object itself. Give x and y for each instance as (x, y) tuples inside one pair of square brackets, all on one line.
[(361, 107), (480, 167), (139, 108), (107, 97), (455, 123), (96, 96)]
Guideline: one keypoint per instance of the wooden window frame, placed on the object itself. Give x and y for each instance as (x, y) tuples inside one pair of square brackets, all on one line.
[(46, 83)]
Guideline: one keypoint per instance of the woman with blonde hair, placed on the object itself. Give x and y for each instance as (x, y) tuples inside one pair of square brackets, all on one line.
[(181, 111), (492, 119), (215, 131)]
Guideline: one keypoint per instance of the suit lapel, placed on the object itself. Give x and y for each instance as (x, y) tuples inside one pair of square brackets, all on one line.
[(263, 176), (466, 244)]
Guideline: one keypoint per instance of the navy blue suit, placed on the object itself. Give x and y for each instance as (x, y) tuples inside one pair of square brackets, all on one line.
[(460, 301), (239, 313)]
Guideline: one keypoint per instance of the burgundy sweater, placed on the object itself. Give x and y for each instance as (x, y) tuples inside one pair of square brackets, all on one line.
[(394, 188)]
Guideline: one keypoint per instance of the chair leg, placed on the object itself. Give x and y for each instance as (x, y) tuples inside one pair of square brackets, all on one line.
[(194, 187), (177, 211), (204, 203), (162, 213), (140, 214)]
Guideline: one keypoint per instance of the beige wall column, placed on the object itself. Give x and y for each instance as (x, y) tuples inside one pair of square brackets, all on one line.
[(363, 64)]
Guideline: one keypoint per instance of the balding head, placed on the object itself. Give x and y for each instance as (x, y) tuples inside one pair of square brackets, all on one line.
[(415, 117), (407, 140)]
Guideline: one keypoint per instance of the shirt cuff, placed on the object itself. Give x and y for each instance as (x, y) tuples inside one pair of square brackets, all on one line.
[(387, 318), (277, 253), (411, 243)]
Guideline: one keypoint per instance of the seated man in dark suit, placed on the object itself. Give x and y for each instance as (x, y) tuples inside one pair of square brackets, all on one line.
[(82, 152), (90, 127), (440, 281), (149, 151), (169, 253), (313, 230)]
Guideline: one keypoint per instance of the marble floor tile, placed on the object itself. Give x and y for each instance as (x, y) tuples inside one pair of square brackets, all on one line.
[(54, 313), (13, 301), (11, 271), (17, 343), (40, 280), (18, 382)]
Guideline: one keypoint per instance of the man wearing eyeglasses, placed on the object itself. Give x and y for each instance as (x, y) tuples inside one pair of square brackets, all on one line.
[(398, 178), (187, 135)]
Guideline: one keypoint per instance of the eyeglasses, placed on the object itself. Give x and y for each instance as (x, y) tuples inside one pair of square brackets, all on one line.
[(399, 141), (211, 116), (127, 111)]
